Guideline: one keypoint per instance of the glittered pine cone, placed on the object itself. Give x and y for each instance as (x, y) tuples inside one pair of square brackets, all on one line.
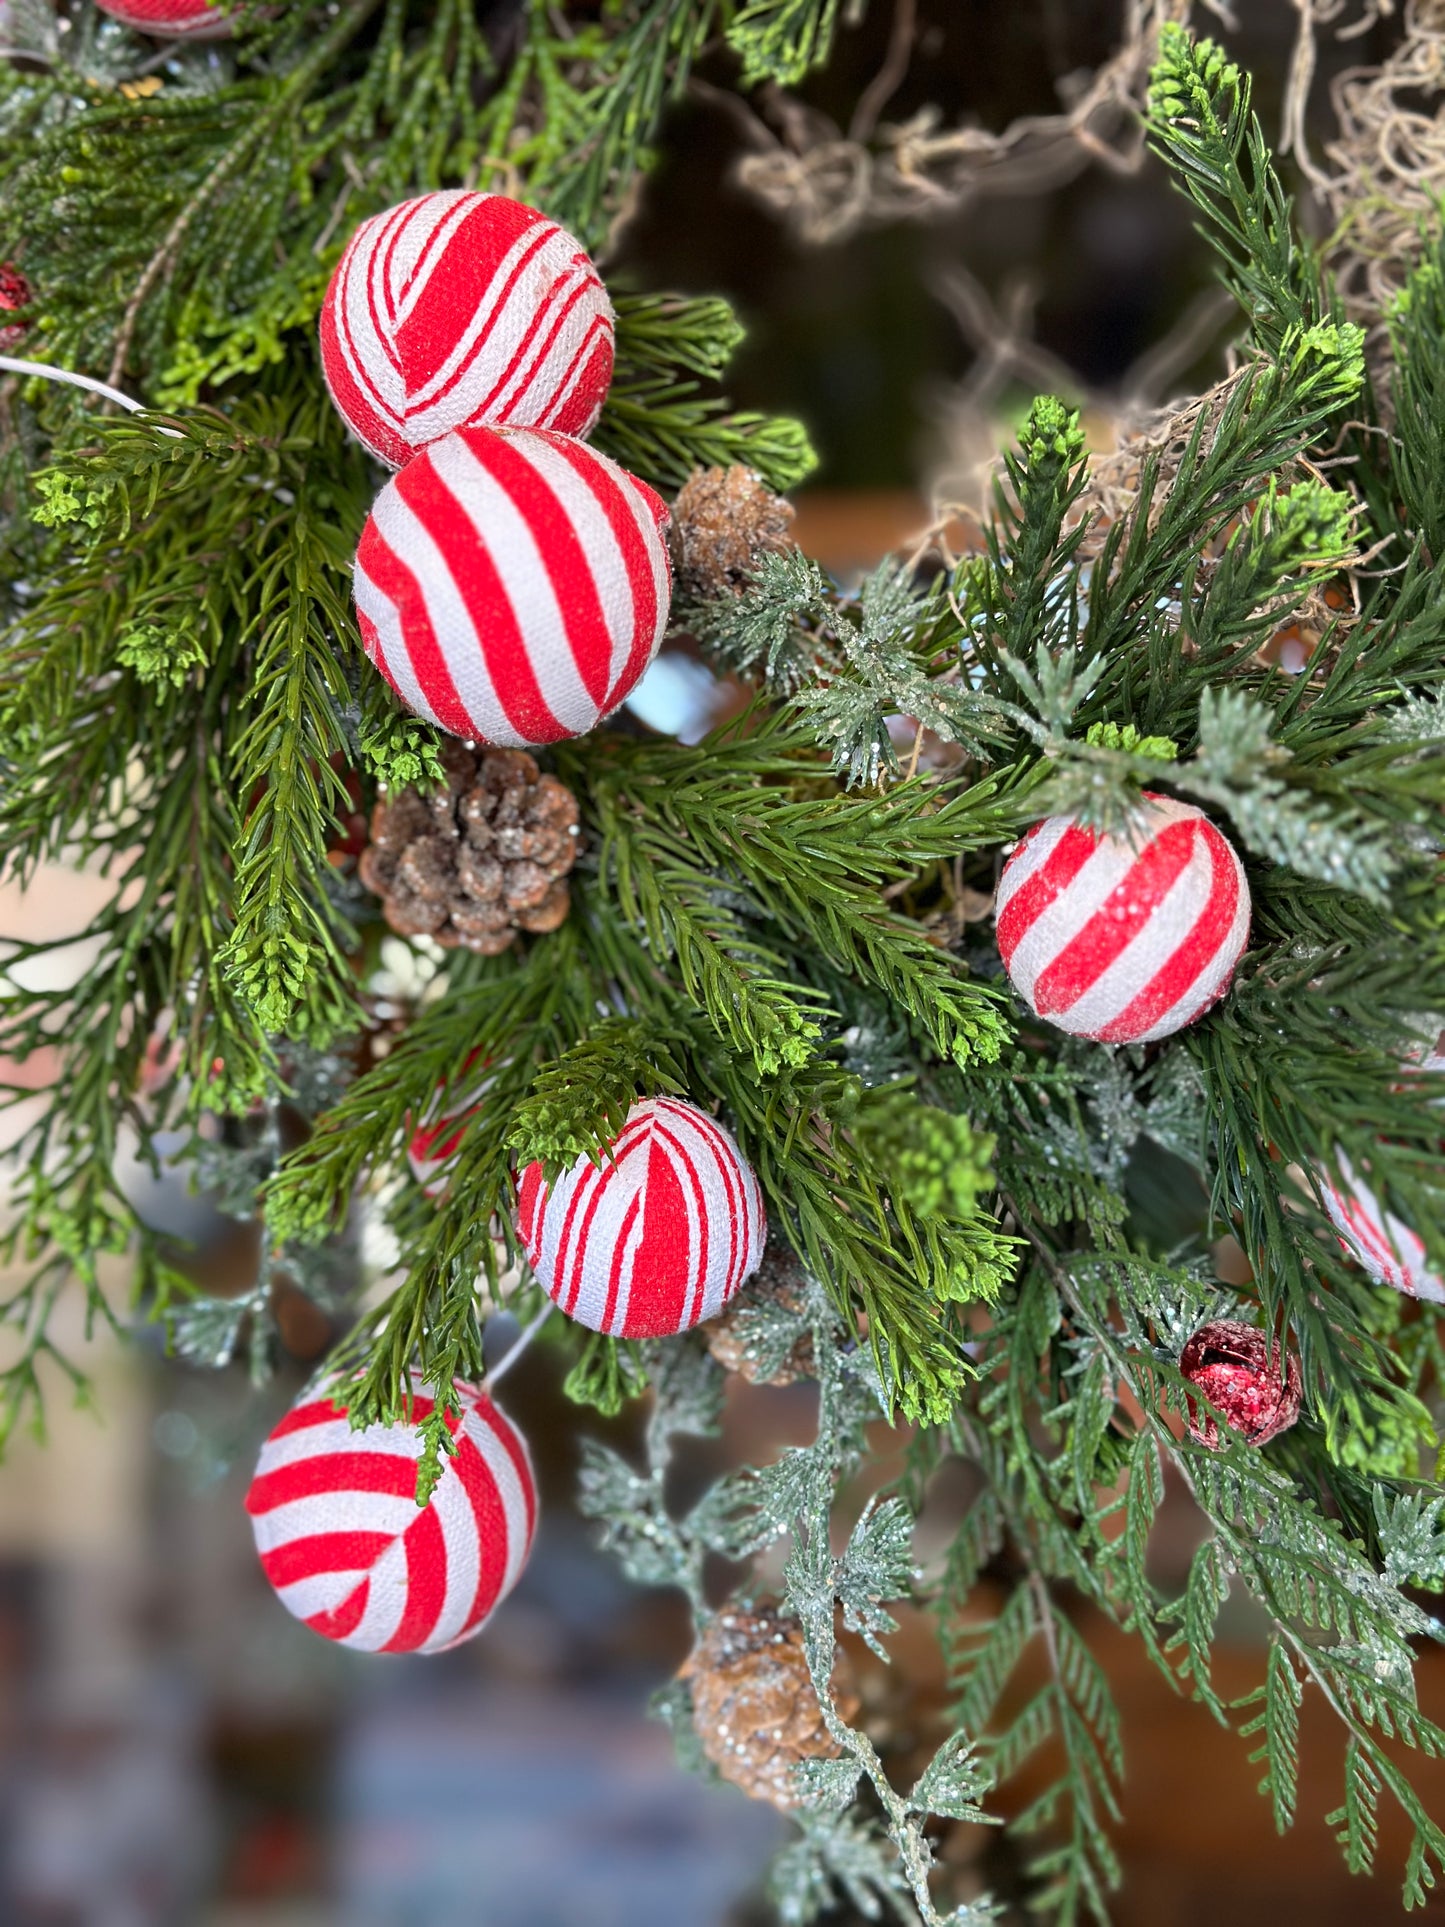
[(1247, 1375), (475, 862), (753, 1704), (724, 521), (744, 1339)]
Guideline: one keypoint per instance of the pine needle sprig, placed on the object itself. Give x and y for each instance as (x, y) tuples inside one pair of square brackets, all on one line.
[(731, 814), (659, 421), (783, 40), (1417, 447), (1200, 122)]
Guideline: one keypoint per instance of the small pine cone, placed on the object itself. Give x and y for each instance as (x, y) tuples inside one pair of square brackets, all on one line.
[(739, 1340), (724, 521), (479, 859), (753, 1705)]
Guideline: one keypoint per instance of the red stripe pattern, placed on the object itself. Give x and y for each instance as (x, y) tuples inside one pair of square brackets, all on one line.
[(173, 19), (460, 308), (438, 1138), (349, 1551), (1389, 1250), (656, 1238), (512, 585), (1123, 942)]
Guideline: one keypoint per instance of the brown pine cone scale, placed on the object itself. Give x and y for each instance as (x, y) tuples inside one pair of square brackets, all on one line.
[(478, 860), (753, 1705), (724, 521)]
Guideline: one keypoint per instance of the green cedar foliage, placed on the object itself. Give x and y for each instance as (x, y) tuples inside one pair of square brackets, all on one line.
[(782, 922)]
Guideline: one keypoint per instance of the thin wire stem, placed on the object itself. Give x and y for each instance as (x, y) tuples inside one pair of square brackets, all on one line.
[(506, 1363), (11, 366)]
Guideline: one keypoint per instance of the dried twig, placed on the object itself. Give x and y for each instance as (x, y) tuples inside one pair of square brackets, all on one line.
[(828, 185)]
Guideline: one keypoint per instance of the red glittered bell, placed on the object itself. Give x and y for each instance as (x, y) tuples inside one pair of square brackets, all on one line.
[(1247, 1376)]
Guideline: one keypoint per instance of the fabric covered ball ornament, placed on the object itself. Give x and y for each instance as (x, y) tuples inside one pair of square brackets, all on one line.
[(656, 1237), (1246, 1375), (349, 1551), (1390, 1251), (1122, 941), (173, 19), (512, 585), (14, 293), (457, 309), (436, 1141)]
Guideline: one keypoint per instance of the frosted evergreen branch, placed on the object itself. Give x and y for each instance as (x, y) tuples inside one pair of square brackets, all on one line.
[(874, 1567), (1311, 1582), (1235, 766)]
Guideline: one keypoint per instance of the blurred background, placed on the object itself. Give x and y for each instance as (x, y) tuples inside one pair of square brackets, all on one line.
[(173, 1748)]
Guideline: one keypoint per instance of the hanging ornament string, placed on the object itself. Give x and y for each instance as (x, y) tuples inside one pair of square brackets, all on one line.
[(513, 1353), (13, 365)]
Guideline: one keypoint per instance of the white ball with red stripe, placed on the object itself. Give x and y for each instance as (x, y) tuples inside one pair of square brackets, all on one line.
[(350, 1552), (655, 1238), (460, 308), (437, 1139), (513, 585), (173, 19), (1388, 1249), (1123, 941)]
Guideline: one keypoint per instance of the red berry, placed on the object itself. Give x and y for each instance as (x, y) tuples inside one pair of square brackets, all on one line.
[(14, 293), (1247, 1376)]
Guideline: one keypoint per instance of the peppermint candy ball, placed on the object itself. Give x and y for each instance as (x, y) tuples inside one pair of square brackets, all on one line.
[(349, 1551), (438, 1138), (457, 309), (172, 19), (658, 1236), (512, 585), (1123, 942), (1387, 1248)]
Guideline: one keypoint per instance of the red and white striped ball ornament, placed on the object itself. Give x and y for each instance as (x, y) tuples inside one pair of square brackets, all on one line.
[(436, 1141), (658, 1236), (1123, 942), (349, 1551), (457, 309), (1387, 1248), (512, 585), (173, 19)]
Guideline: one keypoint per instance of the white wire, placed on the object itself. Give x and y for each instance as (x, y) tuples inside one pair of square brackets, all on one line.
[(13, 366), (509, 1359)]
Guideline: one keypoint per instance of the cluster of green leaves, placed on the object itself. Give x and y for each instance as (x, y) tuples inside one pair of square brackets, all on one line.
[(727, 891), (657, 422), (1201, 123), (182, 223), (184, 703), (1074, 1487), (1087, 662), (190, 768), (777, 921)]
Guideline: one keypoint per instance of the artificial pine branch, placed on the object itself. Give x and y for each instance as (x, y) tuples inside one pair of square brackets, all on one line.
[(776, 922)]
